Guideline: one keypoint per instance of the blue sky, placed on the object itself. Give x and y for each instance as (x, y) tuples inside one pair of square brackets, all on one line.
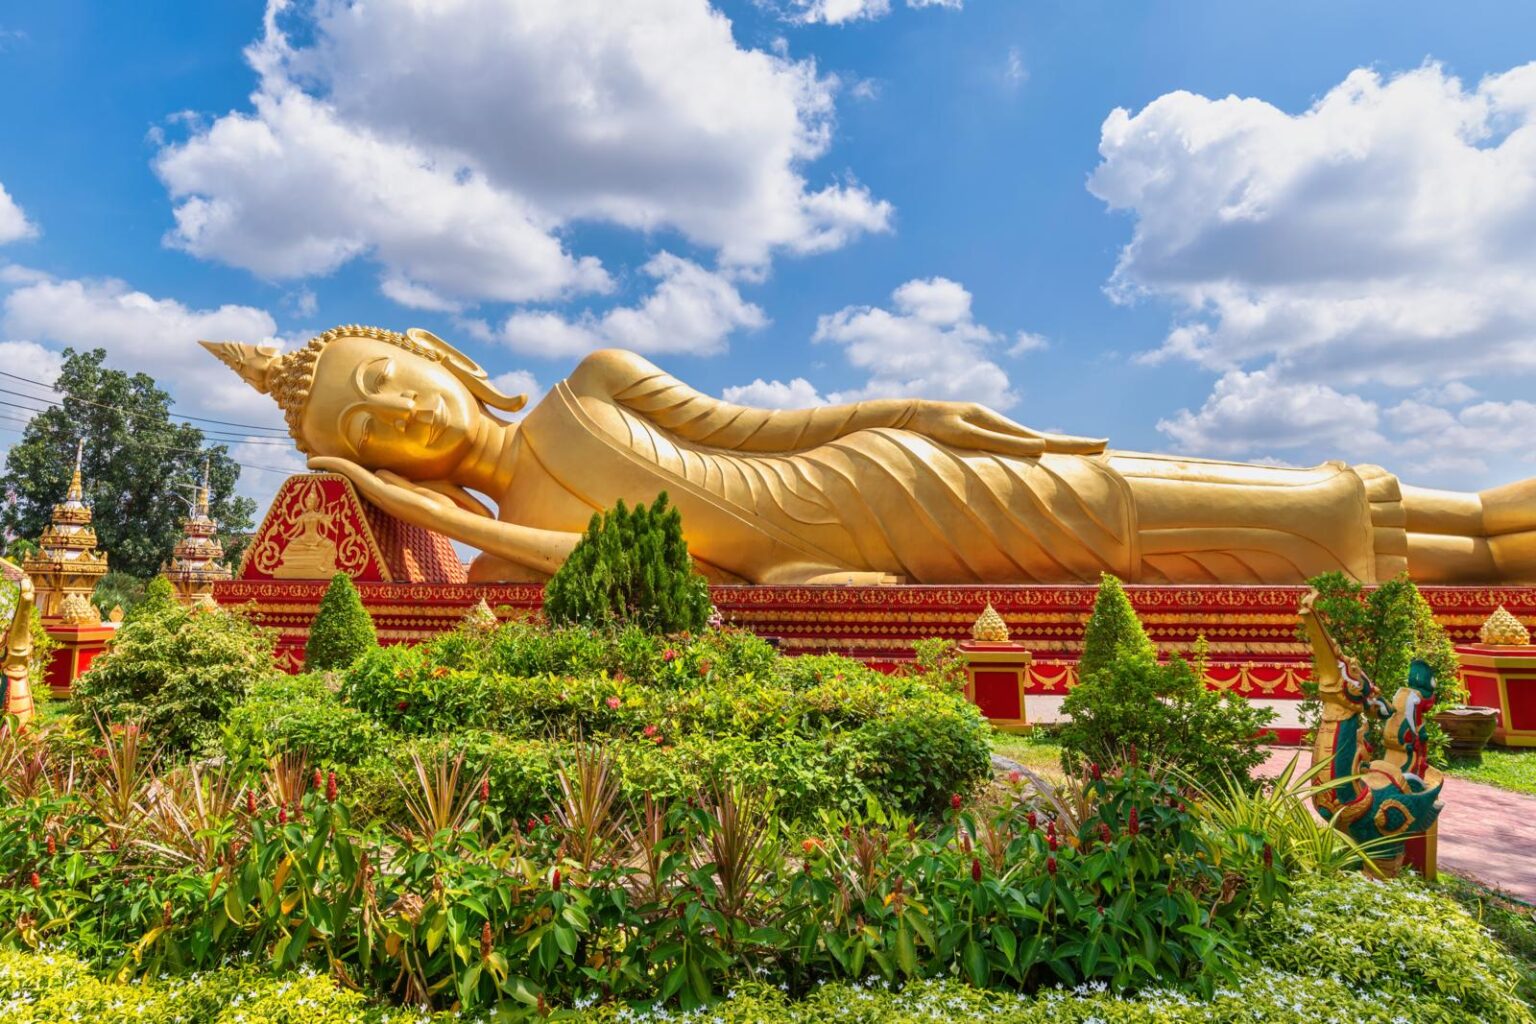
[(818, 200)]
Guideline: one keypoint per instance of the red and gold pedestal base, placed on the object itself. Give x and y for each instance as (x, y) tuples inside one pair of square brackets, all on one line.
[(79, 645), (996, 676), (1421, 851), (1504, 678)]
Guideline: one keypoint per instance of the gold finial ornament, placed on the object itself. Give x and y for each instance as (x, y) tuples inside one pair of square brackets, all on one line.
[(1504, 630), (480, 617), (116, 614), (990, 627), (892, 489)]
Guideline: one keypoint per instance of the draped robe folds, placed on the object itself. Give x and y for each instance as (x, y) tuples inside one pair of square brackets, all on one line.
[(784, 496)]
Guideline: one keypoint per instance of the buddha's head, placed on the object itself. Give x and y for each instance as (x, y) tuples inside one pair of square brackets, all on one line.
[(411, 402)]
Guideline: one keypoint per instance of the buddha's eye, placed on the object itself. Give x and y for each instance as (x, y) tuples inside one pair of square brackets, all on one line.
[(382, 376)]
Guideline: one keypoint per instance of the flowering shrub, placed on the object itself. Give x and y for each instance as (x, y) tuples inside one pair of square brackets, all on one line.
[(143, 872)]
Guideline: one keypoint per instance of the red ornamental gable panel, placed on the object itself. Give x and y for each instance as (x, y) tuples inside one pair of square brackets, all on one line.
[(318, 526)]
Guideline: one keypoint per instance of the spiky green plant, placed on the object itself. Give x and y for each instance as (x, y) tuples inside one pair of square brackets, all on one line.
[(631, 566), (1113, 631)]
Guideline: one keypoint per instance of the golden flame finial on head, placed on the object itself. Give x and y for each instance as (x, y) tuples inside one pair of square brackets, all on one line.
[(990, 627), (1504, 630), (254, 363)]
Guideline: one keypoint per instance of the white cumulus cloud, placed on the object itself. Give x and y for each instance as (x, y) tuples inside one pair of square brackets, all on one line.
[(141, 332), (691, 310), (14, 225), (798, 393), (1256, 412), (928, 345), (452, 142), (1385, 235)]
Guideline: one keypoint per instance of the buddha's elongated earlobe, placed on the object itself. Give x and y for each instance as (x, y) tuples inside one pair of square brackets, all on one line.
[(468, 371)]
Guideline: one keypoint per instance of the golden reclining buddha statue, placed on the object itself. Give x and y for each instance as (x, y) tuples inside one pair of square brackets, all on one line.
[(891, 490)]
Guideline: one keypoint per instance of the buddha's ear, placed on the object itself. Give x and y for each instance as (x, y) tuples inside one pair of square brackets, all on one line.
[(468, 371)]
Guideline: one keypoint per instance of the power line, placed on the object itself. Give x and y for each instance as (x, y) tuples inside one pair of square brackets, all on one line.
[(87, 401), (218, 435), (172, 448)]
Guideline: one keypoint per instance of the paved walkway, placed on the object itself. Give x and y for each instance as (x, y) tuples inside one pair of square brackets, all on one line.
[(1486, 833)]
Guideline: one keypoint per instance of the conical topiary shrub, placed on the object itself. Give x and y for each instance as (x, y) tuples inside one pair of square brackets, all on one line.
[(631, 567), (1113, 630), (342, 631)]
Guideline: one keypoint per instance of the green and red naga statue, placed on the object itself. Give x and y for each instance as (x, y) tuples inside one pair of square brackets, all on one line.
[(1388, 798)]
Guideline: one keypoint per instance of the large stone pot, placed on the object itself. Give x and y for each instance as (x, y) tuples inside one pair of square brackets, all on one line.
[(1469, 728)]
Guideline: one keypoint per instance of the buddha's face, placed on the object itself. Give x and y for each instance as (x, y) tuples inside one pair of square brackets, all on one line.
[(384, 407)]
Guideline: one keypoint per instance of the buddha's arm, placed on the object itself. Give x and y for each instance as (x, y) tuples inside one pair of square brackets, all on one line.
[(662, 399), (542, 551)]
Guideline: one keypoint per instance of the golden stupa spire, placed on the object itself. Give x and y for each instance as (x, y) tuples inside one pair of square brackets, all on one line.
[(76, 490), (194, 566), (67, 565)]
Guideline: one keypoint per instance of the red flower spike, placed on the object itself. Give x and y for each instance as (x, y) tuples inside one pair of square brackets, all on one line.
[(485, 793), (400, 707), (53, 845), (533, 823), (955, 801), (546, 819), (37, 880), (1052, 841), (282, 815), (330, 787), (319, 779), (975, 869), (1050, 866), (1031, 819), (1134, 825), (1015, 776), (250, 801), (1093, 769), (1105, 835), (554, 881), (485, 941), (614, 703), (669, 655), (649, 730)]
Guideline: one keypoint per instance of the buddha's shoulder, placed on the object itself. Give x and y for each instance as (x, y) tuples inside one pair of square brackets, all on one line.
[(608, 370)]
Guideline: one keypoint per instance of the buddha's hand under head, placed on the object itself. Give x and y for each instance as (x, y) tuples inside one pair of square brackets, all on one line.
[(975, 427), (389, 491)]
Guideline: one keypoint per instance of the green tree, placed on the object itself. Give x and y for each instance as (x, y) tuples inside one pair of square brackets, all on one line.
[(138, 465), (631, 567), (177, 671), (1113, 630), (342, 631)]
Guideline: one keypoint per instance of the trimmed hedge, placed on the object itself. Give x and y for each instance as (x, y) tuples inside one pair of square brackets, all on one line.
[(819, 732)]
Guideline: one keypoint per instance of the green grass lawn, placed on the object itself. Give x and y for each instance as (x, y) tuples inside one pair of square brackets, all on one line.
[(1506, 768), (1038, 751)]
